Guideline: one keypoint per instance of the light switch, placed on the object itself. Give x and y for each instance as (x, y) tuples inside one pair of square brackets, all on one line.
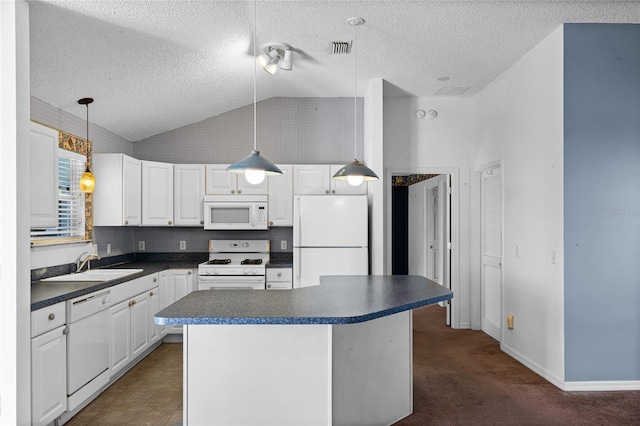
[(141, 245), (283, 244), (183, 245)]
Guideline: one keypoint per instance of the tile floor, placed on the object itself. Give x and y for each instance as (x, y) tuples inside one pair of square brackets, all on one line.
[(148, 394)]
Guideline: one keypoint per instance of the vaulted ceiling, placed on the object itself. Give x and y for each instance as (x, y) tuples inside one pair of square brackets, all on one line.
[(153, 66)]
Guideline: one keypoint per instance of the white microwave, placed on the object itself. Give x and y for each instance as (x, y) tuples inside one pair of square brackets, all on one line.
[(235, 212)]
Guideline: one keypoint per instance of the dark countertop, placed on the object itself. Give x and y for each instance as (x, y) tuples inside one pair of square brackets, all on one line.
[(337, 300), (283, 263), (46, 293)]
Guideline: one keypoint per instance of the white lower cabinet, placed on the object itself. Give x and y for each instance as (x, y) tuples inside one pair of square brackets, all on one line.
[(156, 332), (279, 278), (132, 327), (174, 285), (120, 342), (48, 376), (139, 324)]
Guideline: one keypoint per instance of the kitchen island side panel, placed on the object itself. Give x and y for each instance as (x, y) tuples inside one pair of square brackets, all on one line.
[(373, 371), (257, 375)]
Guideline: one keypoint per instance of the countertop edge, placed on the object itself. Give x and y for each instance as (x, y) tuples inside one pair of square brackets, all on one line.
[(298, 320)]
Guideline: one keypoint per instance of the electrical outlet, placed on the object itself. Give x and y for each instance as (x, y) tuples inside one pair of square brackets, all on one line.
[(283, 244), (108, 248), (141, 245), (183, 245)]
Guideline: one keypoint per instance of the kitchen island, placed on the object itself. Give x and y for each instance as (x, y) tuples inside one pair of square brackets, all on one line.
[(337, 353)]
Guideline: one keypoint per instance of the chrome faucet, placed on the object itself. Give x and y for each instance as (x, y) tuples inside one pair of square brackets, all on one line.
[(81, 262)]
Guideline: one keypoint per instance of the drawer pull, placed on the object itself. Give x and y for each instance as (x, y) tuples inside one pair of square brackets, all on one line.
[(279, 274), (133, 302), (52, 317), (150, 293), (155, 279), (268, 285), (189, 273)]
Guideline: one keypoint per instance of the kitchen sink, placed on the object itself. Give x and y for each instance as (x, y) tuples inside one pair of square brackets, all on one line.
[(95, 275)]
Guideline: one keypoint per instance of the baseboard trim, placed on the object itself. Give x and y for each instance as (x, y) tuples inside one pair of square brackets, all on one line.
[(544, 373), (603, 386)]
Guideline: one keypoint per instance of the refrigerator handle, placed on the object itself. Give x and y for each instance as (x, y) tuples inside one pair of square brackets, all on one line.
[(296, 269), (298, 239)]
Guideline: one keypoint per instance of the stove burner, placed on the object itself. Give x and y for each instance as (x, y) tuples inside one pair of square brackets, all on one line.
[(219, 262), (251, 262)]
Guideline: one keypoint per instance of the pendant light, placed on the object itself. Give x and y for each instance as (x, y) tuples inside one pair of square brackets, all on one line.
[(253, 166), (355, 172), (87, 181)]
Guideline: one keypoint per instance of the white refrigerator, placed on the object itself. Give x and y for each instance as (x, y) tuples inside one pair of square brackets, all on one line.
[(330, 237)]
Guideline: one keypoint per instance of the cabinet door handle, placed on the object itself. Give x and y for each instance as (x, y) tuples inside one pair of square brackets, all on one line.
[(239, 191), (279, 274), (150, 293), (52, 317), (268, 285), (326, 192), (126, 222), (133, 302), (202, 222), (233, 191), (271, 222), (333, 191), (155, 279), (170, 222), (189, 273)]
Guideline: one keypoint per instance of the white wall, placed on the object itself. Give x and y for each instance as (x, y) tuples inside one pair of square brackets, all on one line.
[(374, 159), (520, 121), (442, 145), (15, 386)]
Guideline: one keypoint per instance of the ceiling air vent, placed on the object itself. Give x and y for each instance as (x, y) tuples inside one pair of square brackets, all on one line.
[(340, 47)]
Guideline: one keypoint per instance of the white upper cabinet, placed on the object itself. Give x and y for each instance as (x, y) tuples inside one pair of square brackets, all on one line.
[(188, 196), (157, 194), (316, 179), (281, 198), (44, 176), (220, 182), (118, 194)]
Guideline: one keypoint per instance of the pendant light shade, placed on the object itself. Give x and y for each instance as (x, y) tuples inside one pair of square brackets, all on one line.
[(355, 172), (87, 180), (253, 166)]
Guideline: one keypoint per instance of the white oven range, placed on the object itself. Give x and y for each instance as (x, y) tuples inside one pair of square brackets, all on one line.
[(234, 265)]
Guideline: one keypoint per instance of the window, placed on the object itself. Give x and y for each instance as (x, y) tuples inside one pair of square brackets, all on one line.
[(71, 208)]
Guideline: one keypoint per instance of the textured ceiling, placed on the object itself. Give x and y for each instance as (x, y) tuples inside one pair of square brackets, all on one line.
[(153, 66)]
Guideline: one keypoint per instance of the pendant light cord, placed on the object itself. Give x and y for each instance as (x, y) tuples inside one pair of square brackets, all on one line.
[(255, 114), (355, 98)]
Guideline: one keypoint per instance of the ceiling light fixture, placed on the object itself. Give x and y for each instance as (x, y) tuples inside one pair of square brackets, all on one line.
[(276, 53), (253, 166), (355, 172), (87, 180)]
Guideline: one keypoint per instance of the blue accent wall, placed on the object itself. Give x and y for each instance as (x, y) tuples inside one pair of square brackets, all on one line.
[(602, 201)]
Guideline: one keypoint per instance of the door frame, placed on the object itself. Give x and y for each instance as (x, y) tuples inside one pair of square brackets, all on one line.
[(454, 173)]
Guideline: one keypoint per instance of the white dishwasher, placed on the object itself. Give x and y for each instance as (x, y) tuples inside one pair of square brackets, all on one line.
[(87, 346)]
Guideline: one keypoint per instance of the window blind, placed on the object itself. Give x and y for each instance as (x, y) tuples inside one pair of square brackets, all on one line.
[(70, 202)]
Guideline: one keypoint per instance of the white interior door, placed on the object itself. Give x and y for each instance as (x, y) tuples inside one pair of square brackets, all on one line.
[(417, 250), (430, 231), (491, 253)]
